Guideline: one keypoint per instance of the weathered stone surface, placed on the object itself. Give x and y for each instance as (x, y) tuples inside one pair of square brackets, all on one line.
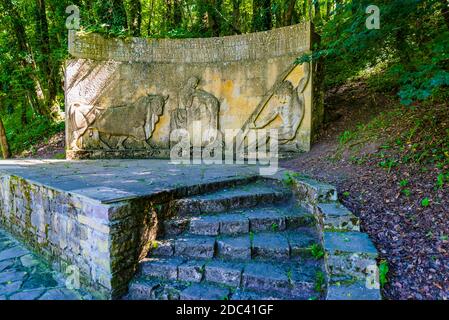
[(243, 295), (12, 276), (175, 227), (27, 295), (26, 277), (265, 277), (231, 224), (166, 268), (336, 217), (271, 246), (14, 252), (59, 294), (164, 248), (9, 287), (350, 253), (191, 271), (349, 242), (311, 192), (302, 278), (266, 220), (41, 280), (224, 273), (234, 247), (204, 292), (205, 225), (29, 261), (6, 264), (195, 247), (301, 241), (102, 233), (355, 291), (233, 198), (298, 218), (141, 289)]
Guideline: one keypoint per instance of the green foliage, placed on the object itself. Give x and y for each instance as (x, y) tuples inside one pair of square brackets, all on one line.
[(383, 273), (23, 137), (406, 192), (320, 282), (403, 183), (317, 251), (425, 202), (409, 53), (346, 136), (289, 178)]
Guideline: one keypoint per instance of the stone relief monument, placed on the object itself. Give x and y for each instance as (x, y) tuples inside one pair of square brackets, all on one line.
[(127, 97), (136, 121)]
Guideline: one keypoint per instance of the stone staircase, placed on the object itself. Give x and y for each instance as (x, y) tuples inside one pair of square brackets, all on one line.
[(250, 241)]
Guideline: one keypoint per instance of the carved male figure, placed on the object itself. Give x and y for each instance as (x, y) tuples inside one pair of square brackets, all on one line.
[(290, 110), (196, 105)]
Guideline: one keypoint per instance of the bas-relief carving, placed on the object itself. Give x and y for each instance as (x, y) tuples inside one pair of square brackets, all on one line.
[(136, 121), (196, 107), (239, 89)]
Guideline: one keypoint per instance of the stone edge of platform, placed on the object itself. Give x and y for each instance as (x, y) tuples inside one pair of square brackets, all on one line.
[(350, 256)]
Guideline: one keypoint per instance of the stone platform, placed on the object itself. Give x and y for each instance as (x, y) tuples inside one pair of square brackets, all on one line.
[(98, 215), (140, 229)]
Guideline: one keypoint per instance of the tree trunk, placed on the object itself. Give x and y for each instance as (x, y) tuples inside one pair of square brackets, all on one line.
[(213, 8), (135, 17), (289, 13), (168, 15), (177, 13), (24, 50), (328, 8), (4, 141), (150, 17), (236, 13), (112, 13), (44, 48), (317, 6)]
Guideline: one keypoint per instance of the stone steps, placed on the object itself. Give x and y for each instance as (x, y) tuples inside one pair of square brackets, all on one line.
[(198, 279), (258, 219), (245, 242), (261, 245), (236, 197)]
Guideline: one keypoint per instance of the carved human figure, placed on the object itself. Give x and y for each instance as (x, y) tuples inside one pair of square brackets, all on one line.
[(284, 102), (197, 105), (290, 110)]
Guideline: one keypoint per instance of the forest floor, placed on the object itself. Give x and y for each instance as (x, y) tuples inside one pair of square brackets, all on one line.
[(404, 206), (401, 205)]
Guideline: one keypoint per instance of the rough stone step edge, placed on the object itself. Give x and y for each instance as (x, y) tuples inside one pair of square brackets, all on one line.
[(357, 277)]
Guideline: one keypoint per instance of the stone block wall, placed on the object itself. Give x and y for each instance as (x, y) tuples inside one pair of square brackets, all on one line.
[(126, 97), (102, 241)]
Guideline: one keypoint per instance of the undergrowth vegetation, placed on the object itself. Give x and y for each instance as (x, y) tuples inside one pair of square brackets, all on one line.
[(417, 135)]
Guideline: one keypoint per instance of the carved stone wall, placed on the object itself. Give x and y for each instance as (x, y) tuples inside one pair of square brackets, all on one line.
[(124, 97)]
